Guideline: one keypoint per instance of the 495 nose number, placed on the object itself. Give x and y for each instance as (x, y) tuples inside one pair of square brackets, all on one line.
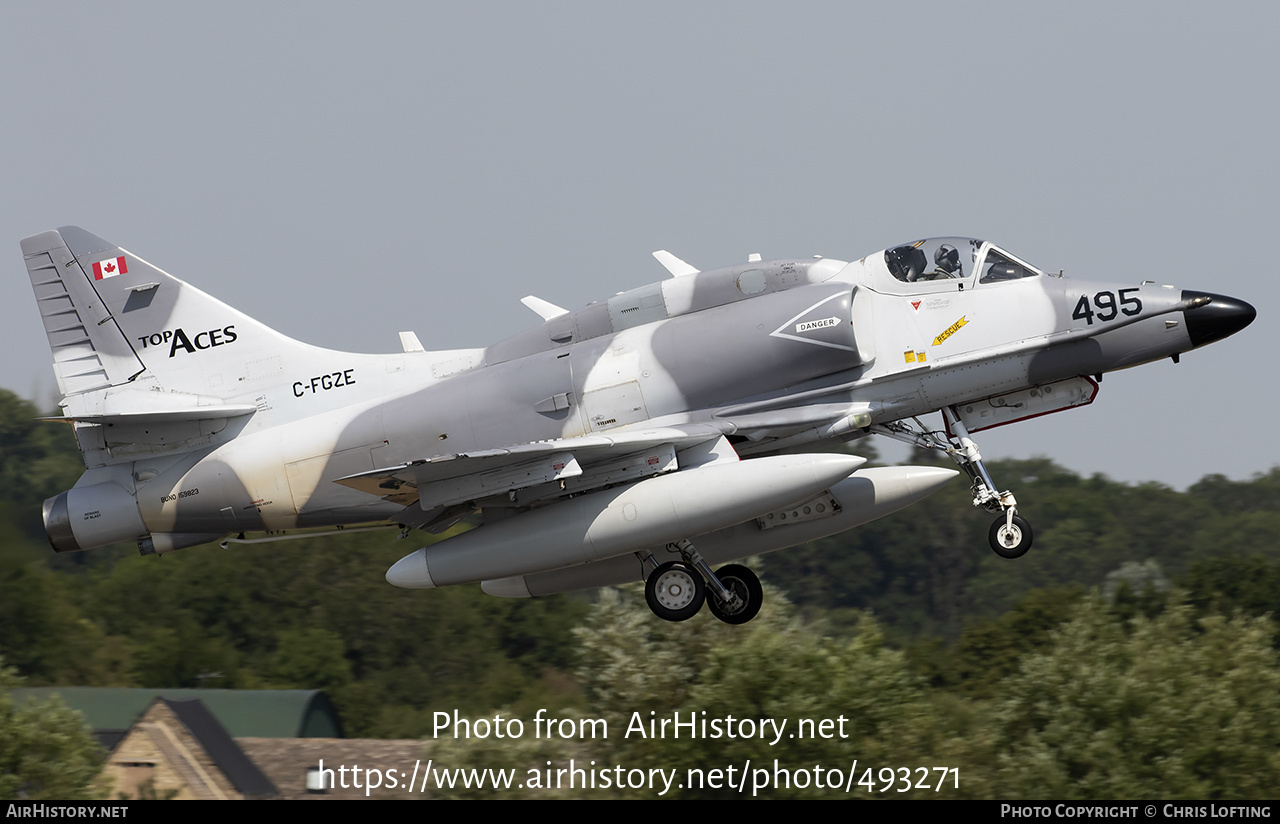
[(1105, 307)]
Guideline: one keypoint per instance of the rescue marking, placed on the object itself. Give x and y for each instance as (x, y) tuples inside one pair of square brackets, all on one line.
[(950, 330)]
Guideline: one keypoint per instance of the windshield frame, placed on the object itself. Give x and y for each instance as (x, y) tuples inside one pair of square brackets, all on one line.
[(988, 279)]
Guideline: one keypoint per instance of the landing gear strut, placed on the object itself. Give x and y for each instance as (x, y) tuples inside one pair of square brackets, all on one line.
[(1010, 535), (676, 590), (747, 592)]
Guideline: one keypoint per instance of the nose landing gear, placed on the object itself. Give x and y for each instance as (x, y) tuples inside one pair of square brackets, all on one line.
[(1010, 536), (676, 590)]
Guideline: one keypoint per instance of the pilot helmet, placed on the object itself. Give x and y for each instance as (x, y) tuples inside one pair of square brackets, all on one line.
[(947, 258)]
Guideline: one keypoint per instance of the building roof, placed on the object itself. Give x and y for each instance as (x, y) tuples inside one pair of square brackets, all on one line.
[(235, 765), (242, 713), (287, 762)]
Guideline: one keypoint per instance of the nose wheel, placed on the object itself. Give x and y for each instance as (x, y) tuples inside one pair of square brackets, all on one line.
[(1010, 537)]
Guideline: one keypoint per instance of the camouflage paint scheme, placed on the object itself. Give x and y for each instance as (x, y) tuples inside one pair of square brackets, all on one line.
[(197, 423)]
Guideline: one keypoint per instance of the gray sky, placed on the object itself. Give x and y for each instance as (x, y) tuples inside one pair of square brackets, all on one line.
[(343, 171)]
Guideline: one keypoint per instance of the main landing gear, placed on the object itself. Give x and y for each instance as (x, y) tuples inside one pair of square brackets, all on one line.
[(676, 590), (1010, 535)]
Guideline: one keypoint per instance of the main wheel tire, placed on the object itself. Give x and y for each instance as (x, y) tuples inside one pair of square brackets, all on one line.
[(744, 583), (1010, 541), (675, 592)]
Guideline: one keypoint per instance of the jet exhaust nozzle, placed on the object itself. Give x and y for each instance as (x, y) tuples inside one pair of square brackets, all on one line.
[(86, 517)]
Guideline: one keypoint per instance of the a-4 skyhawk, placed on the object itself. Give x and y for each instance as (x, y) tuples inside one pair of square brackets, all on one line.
[(648, 436)]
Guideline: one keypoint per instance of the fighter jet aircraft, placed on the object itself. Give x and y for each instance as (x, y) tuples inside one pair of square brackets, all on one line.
[(693, 421)]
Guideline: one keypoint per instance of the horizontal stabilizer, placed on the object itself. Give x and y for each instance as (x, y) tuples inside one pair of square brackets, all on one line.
[(202, 413), (150, 428)]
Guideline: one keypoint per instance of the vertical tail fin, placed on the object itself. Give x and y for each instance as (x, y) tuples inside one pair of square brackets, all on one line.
[(149, 365), (90, 350), (119, 324)]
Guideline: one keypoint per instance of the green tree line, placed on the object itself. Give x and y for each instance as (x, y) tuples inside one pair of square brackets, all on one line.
[(1166, 703)]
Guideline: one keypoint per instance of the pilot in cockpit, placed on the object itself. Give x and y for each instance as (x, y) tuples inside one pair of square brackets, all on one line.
[(907, 263), (947, 263), (910, 263)]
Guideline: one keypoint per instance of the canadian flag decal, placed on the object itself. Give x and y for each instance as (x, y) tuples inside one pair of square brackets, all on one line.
[(109, 267)]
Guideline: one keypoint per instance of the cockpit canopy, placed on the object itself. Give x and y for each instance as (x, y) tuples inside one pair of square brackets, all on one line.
[(954, 258)]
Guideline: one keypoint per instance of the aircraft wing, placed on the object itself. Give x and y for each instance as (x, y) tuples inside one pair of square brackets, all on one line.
[(536, 471)]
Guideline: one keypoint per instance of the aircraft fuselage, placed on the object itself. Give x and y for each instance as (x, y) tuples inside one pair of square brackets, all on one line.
[(196, 422)]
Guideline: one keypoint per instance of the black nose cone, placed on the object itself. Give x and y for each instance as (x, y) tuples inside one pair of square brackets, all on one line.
[(1215, 320)]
